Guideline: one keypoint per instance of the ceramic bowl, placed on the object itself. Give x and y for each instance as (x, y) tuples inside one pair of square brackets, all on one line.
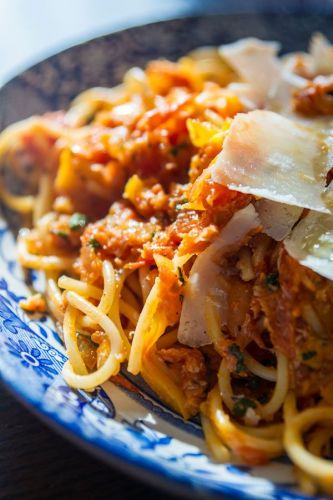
[(125, 424)]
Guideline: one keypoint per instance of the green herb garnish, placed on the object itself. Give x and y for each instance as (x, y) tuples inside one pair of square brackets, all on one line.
[(272, 281), (78, 221), (242, 405), (180, 275), (84, 342), (308, 355), (61, 234), (181, 298), (153, 235), (180, 204), (175, 149), (234, 349), (95, 244)]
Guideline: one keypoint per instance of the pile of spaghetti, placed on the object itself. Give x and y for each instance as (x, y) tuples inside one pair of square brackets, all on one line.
[(183, 223)]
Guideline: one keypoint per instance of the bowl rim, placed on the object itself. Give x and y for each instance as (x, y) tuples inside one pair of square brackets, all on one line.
[(62, 47)]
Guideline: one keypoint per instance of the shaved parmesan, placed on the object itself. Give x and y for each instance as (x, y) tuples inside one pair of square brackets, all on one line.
[(247, 94), (255, 62), (204, 274), (277, 219), (271, 80), (267, 155), (311, 243), (322, 54)]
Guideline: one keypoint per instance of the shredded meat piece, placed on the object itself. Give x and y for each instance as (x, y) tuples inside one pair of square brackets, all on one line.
[(308, 305), (164, 75), (169, 290), (34, 303), (134, 233), (120, 235), (103, 349), (33, 153), (252, 327), (147, 196), (278, 317), (286, 307), (298, 315), (316, 98), (193, 376), (62, 236)]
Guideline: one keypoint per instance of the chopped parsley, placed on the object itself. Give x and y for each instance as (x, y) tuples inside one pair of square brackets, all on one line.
[(272, 281), (78, 221), (95, 244), (242, 405), (85, 343), (61, 234), (175, 149), (180, 275), (181, 298), (234, 349), (308, 355), (153, 234), (179, 205)]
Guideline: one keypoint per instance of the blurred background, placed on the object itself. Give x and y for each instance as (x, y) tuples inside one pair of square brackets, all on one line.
[(32, 29)]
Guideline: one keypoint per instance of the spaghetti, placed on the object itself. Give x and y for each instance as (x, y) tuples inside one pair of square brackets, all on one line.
[(183, 223)]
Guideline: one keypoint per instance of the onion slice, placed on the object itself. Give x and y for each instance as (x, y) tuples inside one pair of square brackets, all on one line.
[(204, 276), (321, 52), (277, 219), (256, 62), (311, 243)]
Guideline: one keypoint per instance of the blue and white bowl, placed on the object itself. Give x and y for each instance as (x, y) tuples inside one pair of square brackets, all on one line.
[(125, 424)]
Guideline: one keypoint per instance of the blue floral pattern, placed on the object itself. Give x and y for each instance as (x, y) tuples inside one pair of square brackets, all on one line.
[(31, 358)]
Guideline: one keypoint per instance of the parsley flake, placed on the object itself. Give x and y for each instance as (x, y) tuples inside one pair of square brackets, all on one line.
[(77, 221), (308, 355), (272, 281), (61, 234), (175, 149), (95, 244), (242, 405), (180, 275), (234, 349), (180, 204)]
